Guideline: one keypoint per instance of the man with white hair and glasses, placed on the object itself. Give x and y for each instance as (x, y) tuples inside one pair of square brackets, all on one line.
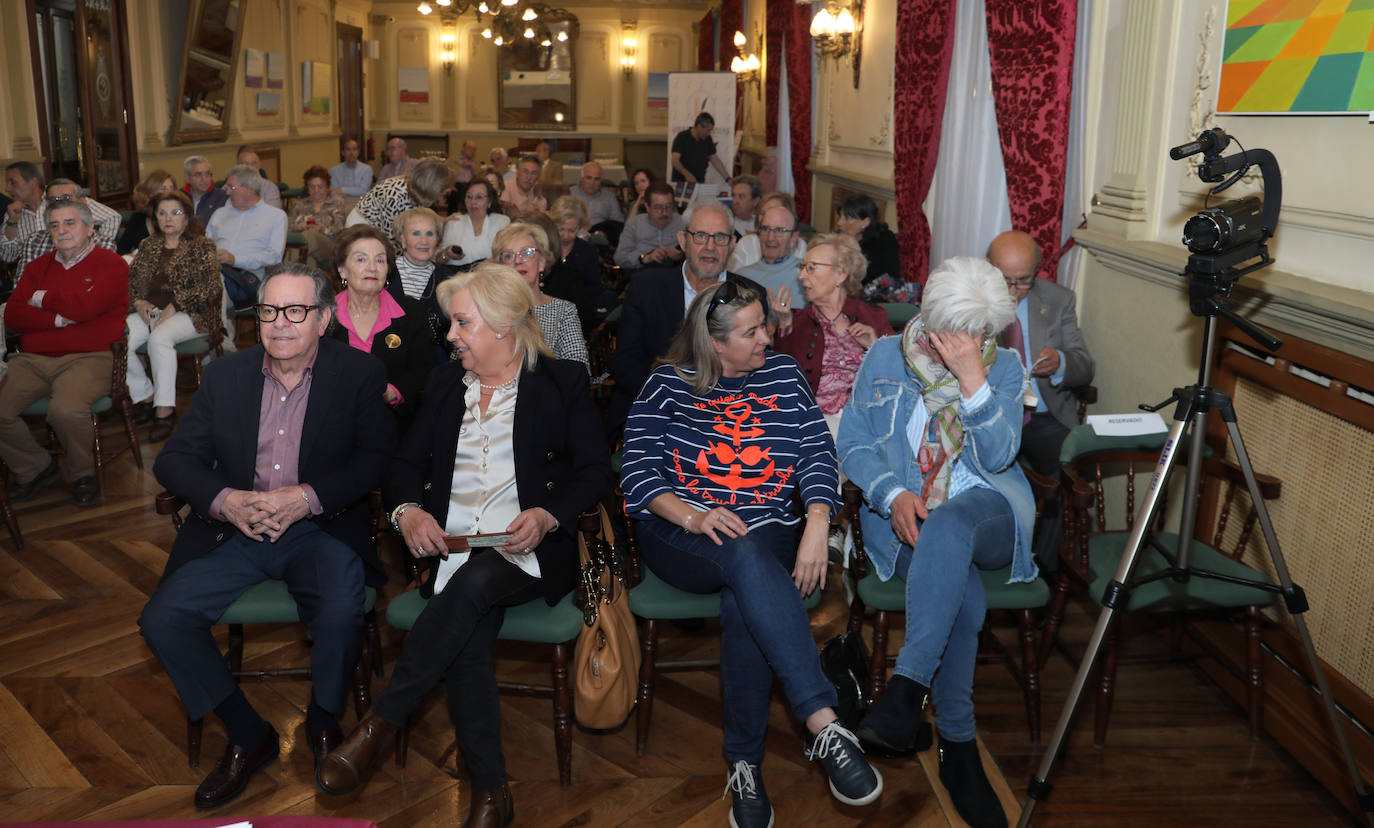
[(249, 235)]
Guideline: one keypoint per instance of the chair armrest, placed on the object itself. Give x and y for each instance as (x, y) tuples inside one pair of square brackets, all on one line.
[(1270, 487), (1086, 395)]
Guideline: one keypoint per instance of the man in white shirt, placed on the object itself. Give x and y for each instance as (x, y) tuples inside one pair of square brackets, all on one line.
[(350, 177), (249, 235)]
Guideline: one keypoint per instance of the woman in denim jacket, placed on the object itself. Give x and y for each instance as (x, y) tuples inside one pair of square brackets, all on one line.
[(931, 435)]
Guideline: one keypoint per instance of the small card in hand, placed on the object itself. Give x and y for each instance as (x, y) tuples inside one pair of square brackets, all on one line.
[(461, 542)]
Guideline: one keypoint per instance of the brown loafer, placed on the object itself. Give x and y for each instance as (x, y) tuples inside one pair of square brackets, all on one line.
[(233, 770), (324, 743), (347, 766), (162, 428), (491, 809)]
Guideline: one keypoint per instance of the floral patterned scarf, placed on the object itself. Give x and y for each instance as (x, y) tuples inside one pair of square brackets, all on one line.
[(944, 432)]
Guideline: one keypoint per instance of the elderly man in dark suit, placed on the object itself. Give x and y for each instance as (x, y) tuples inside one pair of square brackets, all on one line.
[(276, 458), (1046, 335), (657, 300)]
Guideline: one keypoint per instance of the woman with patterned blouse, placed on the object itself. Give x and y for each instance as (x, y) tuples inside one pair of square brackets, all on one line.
[(525, 247), (174, 295), (320, 216), (429, 183)]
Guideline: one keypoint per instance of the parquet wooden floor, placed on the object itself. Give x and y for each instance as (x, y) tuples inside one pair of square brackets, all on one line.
[(91, 729)]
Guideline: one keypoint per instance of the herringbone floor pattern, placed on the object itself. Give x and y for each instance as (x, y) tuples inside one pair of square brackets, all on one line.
[(91, 729)]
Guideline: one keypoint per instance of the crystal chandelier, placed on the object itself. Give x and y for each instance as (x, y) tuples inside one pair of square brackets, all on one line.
[(504, 22)]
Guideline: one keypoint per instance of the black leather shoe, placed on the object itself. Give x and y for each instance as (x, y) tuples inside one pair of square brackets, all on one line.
[(491, 809), (324, 743), (142, 412), (85, 491), (961, 772), (347, 766), (45, 478), (233, 770), (162, 428)]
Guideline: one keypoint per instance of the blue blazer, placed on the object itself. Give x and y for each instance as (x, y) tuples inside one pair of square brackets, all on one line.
[(875, 454), (346, 439)]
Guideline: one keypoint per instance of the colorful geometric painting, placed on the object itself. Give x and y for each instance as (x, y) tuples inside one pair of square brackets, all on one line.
[(1298, 56)]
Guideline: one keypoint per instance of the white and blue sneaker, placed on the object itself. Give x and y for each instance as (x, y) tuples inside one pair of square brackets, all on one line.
[(852, 780), (750, 808)]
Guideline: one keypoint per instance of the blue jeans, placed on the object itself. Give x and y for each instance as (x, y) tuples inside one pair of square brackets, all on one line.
[(764, 627), (945, 604), (325, 576)]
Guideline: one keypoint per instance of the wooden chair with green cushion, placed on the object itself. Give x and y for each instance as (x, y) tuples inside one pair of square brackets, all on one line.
[(270, 602), (118, 397), (533, 622), (198, 346), (653, 600), (1094, 549), (888, 597), (8, 510), (298, 245)]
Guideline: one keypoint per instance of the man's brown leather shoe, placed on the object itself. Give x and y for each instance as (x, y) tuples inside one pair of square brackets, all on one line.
[(324, 743), (233, 770), (491, 809), (347, 766)]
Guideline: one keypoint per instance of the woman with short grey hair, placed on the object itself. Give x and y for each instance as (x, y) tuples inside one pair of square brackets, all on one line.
[(930, 435)]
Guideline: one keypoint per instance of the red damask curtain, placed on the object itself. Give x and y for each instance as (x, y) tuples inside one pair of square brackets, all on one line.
[(706, 43), (925, 41), (1031, 44), (789, 49)]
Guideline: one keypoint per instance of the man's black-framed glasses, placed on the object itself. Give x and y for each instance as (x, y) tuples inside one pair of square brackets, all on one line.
[(295, 314)]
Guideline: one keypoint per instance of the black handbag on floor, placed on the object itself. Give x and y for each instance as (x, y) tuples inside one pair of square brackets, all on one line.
[(844, 660)]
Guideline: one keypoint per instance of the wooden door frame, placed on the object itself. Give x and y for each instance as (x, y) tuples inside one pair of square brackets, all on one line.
[(342, 32)]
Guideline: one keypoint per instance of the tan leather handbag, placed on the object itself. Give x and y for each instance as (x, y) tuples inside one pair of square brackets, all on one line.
[(606, 660)]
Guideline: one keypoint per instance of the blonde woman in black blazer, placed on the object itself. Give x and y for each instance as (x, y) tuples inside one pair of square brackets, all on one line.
[(519, 428)]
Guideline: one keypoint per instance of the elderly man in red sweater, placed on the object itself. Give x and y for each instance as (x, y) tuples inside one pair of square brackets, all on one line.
[(68, 307)]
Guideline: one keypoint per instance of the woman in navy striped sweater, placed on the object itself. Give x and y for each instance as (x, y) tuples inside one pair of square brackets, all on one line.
[(721, 436)]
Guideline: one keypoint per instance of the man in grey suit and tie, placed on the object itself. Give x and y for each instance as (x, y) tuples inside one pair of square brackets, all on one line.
[(1046, 334)]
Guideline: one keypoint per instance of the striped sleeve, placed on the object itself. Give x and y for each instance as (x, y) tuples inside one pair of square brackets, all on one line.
[(642, 476)]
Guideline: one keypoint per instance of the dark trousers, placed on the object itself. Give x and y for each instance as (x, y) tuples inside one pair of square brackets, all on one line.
[(455, 638), (325, 577), (241, 286), (1041, 438)]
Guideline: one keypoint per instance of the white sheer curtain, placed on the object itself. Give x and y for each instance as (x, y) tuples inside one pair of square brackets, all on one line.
[(1077, 179), (786, 182), (970, 204)]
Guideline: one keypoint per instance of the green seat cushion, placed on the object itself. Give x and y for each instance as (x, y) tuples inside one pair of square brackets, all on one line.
[(39, 406), (296, 240), (1166, 595), (900, 313), (1082, 441), (655, 598), (890, 595), (614, 316), (195, 345), (616, 460), (270, 602), (531, 621)]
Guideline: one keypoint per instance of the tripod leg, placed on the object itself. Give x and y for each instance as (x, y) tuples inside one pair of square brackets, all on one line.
[(1296, 604), (1039, 788)]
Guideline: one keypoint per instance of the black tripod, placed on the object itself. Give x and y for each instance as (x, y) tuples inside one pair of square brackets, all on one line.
[(1193, 405)]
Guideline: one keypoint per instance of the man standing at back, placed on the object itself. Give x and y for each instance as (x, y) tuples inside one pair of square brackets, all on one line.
[(283, 442), (694, 149), (250, 236)]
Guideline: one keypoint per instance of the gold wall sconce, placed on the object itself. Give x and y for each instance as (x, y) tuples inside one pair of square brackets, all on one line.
[(746, 65), (629, 46), (837, 31), (446, 55)]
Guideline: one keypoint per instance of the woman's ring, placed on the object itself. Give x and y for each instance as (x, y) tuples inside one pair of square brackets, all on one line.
[(527, 550)]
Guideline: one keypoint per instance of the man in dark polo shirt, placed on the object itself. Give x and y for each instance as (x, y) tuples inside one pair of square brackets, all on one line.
[(276, 458), (693, 149)]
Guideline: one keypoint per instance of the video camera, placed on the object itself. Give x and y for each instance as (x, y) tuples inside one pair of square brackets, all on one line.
[(1229, 240)]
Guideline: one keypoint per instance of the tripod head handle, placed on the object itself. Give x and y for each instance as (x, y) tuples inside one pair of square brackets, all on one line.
[(1206, 305)]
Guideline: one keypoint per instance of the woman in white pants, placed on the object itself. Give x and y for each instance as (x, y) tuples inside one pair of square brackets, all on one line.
[(174, 295)]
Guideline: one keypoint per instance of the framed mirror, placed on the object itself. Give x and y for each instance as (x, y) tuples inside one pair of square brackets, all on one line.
[(208, 66), (537, 83)]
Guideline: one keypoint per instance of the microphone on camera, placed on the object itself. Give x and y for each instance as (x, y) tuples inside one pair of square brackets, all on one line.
[(1210, 141)]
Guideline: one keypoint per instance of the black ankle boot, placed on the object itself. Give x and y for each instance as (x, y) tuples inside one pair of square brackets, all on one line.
[(961, 772), (894, 725)]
